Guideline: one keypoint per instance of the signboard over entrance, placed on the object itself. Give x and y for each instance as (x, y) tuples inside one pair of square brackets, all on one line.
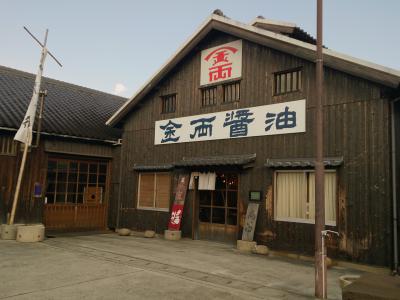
[(280, 118), (221, 63)]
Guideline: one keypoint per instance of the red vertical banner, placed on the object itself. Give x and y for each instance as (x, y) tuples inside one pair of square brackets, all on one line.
[(179, 203)]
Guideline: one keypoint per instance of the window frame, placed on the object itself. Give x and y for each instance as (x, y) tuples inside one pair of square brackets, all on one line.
[(300, 220), (208, 89), (166, 98), (8, 147), (213, 195), (154, 192), (229, 84), (297, 70), (67, 183)]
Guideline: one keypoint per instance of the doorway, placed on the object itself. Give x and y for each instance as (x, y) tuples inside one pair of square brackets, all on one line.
[(218, 210)]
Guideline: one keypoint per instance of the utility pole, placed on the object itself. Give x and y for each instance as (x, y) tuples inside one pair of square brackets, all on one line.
[(320, 266)]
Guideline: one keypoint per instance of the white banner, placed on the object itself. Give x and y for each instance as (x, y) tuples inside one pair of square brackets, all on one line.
[(221, 63), (280, 118), (24, 133)]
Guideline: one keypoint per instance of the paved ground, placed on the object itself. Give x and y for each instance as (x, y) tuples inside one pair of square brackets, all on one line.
[(107, 266)]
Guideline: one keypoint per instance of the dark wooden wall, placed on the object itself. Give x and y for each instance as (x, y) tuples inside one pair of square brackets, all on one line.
[(7, 178), (357, 127), (36, 171)]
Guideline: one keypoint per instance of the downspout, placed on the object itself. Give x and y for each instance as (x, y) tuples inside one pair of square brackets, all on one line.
[(119, 189), (394, 191)]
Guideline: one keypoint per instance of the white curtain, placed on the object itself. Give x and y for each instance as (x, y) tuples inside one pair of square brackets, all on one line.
[(192, 181), (291, 195), (330, 196), (203, 181), (292, 200), (211, 181)]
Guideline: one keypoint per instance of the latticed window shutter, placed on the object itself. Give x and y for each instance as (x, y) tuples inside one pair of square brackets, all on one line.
[(146, 190), (163, 188), (154, 191)]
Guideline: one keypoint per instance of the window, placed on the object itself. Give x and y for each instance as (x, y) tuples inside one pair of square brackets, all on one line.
[(220, 206), (154, 191), (76, 181), (8, 146), (209, 96), (287, 82), (168, 104), (295, 199), (231, 92)]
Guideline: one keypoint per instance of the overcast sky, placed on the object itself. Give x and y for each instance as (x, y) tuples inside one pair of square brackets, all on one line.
[(115, 46)]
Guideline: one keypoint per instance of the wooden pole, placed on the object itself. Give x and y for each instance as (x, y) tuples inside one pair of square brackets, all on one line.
[(320, 266), (24, 133), (42, 95), (18, 188)]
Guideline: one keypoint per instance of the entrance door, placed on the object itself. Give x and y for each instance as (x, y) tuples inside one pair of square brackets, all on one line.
[(76, 194), (218, 210)]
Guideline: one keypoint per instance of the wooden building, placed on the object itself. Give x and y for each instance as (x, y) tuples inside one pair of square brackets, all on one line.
[(70, 162), (237, 100)]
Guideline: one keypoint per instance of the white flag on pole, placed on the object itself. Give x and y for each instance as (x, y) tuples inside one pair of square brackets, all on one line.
[(24, 133)]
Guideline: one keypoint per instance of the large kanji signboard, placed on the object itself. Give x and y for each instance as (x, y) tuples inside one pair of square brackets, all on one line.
[(221, 63), (280, 118)]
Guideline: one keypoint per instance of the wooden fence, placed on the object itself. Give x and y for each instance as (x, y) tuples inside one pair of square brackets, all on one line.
[(75, 217)]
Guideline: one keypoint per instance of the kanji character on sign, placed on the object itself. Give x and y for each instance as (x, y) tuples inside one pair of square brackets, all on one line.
[(221, 66), (176, 217), (238, 122), (204, 128), (282, 120), (169, 132), (27, 122)]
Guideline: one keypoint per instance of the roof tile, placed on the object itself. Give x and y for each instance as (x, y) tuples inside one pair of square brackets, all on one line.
[(69, 109)]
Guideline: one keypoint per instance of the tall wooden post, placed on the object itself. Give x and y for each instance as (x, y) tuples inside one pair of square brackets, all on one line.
[(24, 133), (18, 187), (320, 266)]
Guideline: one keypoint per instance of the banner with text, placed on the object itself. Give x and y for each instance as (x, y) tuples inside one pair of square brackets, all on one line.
[(280, 118)]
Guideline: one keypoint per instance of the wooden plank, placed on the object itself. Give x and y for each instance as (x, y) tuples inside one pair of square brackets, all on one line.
[(250, 222)]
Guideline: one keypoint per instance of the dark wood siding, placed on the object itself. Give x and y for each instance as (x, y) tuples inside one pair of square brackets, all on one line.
[(78, 148), (357, 127), (36, 171)]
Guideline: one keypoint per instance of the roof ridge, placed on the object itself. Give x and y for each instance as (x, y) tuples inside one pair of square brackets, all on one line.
[(60, 82)]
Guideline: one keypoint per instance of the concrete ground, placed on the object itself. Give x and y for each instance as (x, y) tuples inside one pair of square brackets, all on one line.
[(107, 266)]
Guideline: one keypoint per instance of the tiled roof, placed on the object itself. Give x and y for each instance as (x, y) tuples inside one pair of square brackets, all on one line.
[(161, 167), (69, 109), (223, 160), (301, 162), (204, 161)]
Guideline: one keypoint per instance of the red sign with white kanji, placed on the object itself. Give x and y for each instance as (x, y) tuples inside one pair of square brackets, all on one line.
[(179, 202), (176, 217), (221, 63)]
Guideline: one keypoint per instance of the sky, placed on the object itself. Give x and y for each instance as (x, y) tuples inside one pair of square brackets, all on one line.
[(116, 46)]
